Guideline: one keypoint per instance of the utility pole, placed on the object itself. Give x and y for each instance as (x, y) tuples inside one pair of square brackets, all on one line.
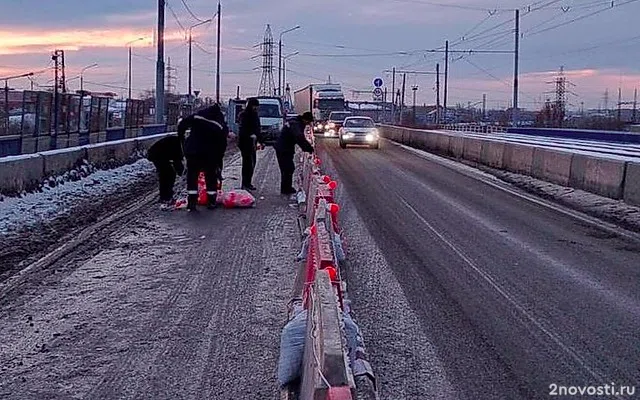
[(414, 88), (404, 78), (130, 53), (160, 65), (635, 104), (446, 77), (238, 92), (484, 107), (619, 104), (190, 53), (393, 95), (190, 63), (515, 70), (218, 54), (438, 94)]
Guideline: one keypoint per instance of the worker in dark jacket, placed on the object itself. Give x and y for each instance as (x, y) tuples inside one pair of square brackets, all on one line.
[(204, 150), (249, 137), (292, 134), (166, 155)]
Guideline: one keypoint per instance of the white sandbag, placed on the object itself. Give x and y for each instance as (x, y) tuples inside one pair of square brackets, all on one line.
[(292, 349)]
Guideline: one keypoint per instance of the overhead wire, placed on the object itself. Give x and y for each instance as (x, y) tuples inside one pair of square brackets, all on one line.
[(186, 6)]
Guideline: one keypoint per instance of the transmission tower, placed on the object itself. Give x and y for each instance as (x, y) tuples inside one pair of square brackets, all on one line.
[(60, 82), (171, 77), (267, 84), (558, 110)]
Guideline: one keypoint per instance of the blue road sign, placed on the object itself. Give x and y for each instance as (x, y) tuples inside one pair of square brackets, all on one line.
[(378, 82), (286, 105)]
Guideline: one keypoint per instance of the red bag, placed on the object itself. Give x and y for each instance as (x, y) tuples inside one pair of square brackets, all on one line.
[(238, 199)]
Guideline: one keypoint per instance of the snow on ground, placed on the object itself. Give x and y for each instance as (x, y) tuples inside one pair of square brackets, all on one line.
[(62, 197)]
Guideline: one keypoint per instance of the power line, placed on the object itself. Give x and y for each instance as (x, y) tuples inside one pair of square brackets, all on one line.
[(191, 12), (612, 5), (175, 16)]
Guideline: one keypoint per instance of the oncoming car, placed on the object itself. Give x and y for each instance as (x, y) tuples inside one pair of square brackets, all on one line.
[(361, 131), (336, 120)]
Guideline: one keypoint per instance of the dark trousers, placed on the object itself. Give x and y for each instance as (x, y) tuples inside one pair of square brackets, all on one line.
[(287, 168), (195, 165), (166, 179), (248, 163)]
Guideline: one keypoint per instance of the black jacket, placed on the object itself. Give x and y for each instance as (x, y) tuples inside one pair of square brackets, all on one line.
[(249, 125), (167, 149), (292, 134), (208, 137)]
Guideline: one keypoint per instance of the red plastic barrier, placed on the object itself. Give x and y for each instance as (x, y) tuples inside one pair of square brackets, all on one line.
[(339, 393)]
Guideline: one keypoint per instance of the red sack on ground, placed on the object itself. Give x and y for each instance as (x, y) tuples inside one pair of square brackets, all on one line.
[(238, 199)]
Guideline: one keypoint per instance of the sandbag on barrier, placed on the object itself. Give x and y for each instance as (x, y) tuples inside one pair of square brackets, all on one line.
[(292, 349)]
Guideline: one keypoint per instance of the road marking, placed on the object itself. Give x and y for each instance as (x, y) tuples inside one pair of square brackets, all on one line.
[(503, 292), (497, 183)]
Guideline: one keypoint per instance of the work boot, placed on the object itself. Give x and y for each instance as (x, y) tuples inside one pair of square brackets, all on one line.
[(192, 202), (212, 203)]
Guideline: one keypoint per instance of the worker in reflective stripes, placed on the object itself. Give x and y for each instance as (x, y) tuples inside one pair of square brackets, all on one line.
[(204, 149)]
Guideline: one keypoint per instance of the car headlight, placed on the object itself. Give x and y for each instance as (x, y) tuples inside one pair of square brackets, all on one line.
[(370, 137), (348, 134), (332, 125)]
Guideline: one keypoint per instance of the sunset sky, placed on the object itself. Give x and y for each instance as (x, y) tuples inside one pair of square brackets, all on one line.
[(597, 44)]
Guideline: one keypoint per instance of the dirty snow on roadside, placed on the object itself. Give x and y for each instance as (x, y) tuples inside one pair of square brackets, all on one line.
[(60, 197)]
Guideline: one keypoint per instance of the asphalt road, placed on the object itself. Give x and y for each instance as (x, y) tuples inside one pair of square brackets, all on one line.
[(465, 291), (159, 305)]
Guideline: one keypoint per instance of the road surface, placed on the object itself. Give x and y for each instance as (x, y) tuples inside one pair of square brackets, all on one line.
[(465, 291), (159, 305)]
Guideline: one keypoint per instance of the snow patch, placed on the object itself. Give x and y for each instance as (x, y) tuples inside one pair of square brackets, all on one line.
[(60, 195)]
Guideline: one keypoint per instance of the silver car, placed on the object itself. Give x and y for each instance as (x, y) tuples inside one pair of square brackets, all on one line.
[(360, 131)]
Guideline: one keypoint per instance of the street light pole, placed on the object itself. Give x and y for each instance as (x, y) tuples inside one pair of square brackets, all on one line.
[(130, 66), (284, 68), (280, 58), (190, 53), (82, 77)]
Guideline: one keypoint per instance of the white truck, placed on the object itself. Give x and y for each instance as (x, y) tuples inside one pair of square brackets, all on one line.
[(270, 111), (320, 99)]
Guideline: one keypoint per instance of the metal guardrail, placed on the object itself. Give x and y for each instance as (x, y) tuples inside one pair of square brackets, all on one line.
[(476, 128)]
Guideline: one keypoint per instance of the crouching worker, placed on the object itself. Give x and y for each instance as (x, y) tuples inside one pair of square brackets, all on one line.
[(292, 134), (166, 155), (204, 150)]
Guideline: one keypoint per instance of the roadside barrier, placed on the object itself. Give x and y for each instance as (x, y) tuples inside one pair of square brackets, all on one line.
[(334, 356)]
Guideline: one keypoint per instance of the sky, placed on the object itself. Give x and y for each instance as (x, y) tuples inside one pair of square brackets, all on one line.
[(595, 42)]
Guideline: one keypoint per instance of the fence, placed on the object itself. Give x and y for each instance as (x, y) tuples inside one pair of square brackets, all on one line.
[(29, 121)]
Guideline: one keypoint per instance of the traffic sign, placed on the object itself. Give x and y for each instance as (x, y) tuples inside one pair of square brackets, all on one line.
[(196, 92), (378, 82), (286, 105), (377, 94)]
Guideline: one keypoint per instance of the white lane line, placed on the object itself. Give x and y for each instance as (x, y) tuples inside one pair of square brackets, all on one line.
[(503, 292), (499, 184)]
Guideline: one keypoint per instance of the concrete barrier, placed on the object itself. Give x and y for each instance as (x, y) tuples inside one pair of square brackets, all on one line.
[(472, 149), (632, 184), (518, 159), (456, 146), (443, 144), (324, 358), (492, 153), (552, 166), (59, 161), (18, 173), (598, 175), (119, 151)]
